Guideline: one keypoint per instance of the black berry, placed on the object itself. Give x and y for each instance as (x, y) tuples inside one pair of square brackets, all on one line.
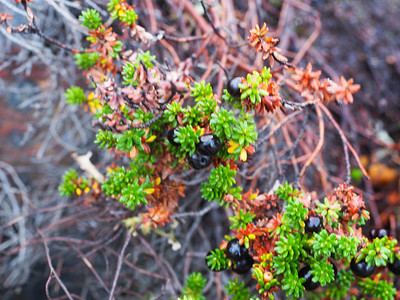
[(361, 269), (243, 265), (208, 145), (313, 224), (395, 266), (235, 251), (309, 285), (199, 161), (378, 233), (172, 135), (239, 254), (233, 86)]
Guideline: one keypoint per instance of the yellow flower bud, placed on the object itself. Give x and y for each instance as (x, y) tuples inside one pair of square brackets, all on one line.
[(252, 236), (232, 147), (152, 138), (243, 155), (253, 196), (149, 191)]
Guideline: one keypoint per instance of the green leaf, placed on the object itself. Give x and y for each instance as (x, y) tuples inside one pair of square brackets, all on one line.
[(222, 122), (289, 248), (194, 286), (322, 272), (69, 185), (254, 89), (379, 251), (241, 220), (346, 247), (220, 182), (129, 17), (201, 91), (324, 244), (124, 183), (293, 285), (171, 113), (86, 60), (130, 138), (75, 95), (187, 137), (238, 291), (339, 289), (294, 215), (129, 69), (216, 260), (193, 116), (106, 139), (90, 19), (381, 289), (329, 212)]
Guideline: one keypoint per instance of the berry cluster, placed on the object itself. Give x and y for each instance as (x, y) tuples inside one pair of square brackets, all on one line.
[(313, 224), (360, 268), (363, 269), (320, 242), (208, 146), (239, 258)]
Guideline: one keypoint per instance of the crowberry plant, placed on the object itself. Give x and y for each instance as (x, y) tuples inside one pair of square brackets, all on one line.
[(159, 120)]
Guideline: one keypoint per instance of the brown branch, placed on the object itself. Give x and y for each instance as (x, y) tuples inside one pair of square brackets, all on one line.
[(294, 146), (52, 270), (119, 265), (308, 43), (343, 137), (317, 149), (36, 212), (92, 269), (32, 28), (187, 39), (171, 50), (208, 19), (129, 264), (161, 263)]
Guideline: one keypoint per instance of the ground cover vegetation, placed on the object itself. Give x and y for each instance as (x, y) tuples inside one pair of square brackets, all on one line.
[(202, 117)]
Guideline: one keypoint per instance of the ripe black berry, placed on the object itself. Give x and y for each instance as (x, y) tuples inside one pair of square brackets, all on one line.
[(313, 224), (199, 161), (235, 251), (172, 135), (243, 265), (233, 86), (208, 145), (378, 233), (361, 269), (395, 266), (309, 285)]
